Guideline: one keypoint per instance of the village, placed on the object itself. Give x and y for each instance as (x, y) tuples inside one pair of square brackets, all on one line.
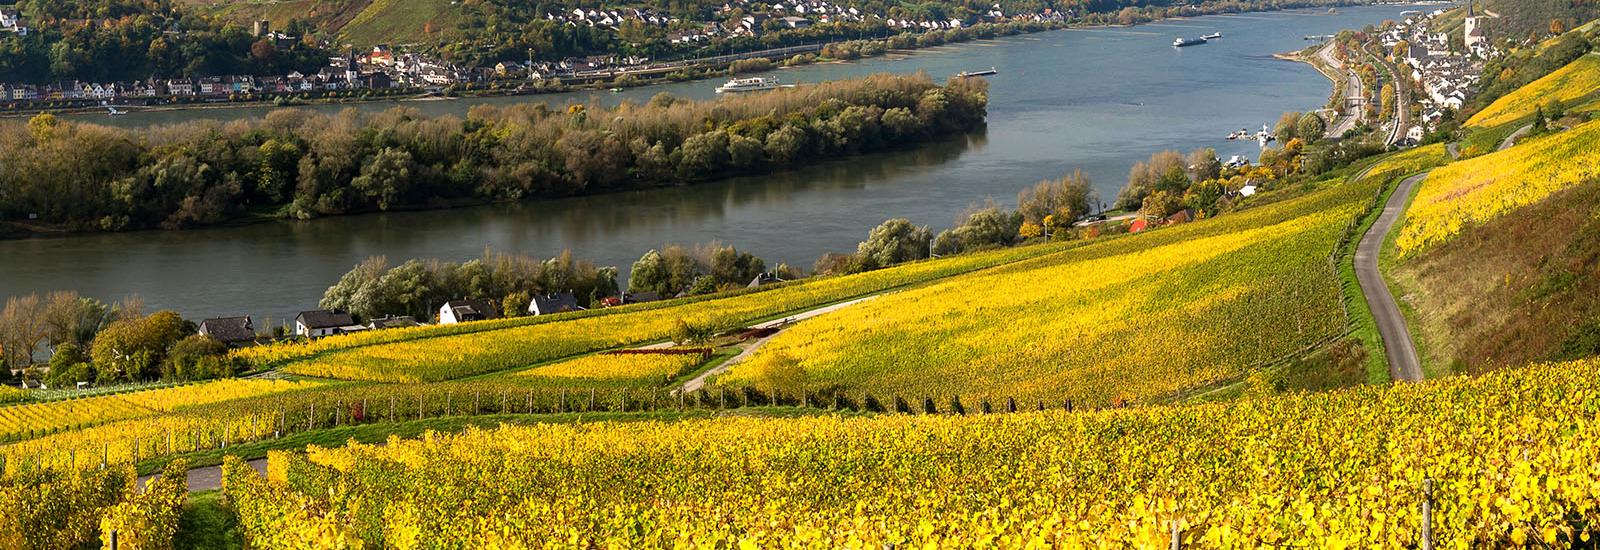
[(387, 70), (1445, 72)]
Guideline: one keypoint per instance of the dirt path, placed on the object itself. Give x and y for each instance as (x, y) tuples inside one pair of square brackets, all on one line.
[(750, 348), (207, 478), (1397, 344)]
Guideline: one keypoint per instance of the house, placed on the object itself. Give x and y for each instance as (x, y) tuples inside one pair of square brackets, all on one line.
[(553, 303), (508, 68), (1138, 225), (322, 322), (393, 321), (1247, 190), (381, 55), (631, 298), (232, 331), (1182, 216), (461, 311), (796, 22), (764, 279)]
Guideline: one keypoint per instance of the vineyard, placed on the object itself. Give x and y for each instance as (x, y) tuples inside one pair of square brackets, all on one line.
[(455, 356), (610, 370), (1140, 319), (1571, 84), (18, 420), (1509, 457), (1480, 189), (1409, 161)]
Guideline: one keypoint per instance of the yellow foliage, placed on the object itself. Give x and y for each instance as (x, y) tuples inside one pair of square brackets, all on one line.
[(1577, 80), (17, 420), (1480, 189), (1511, 456), (1142, 317)]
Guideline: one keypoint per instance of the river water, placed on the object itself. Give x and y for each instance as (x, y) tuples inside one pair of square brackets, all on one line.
[(1098, 100)]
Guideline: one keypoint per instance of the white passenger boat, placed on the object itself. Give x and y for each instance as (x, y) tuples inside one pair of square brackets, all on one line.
[(756, 84)]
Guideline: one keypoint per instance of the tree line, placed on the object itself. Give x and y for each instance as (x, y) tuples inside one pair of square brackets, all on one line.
[(300, 164), (125, 40), (91, 341)]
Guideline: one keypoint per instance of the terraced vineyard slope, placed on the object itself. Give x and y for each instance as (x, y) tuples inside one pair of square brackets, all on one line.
[(1480, 189), (1138, 319), (1510, 456), (1572, 85)]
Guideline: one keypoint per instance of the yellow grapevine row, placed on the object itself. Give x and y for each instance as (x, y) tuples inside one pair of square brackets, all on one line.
[(1480, 189), (1140, 324), (449, 357), (1577, 80), (611, 370), (20, 420), (1510, 456), (1409, 161)]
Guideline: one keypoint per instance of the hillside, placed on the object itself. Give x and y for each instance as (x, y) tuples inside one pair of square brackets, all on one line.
[(1519, 19), (360, 23), (1497, 257), (1141, 319), (1575, 86)]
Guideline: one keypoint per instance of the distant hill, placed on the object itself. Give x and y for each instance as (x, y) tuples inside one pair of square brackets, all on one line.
[(1524, 18), (360, 23)]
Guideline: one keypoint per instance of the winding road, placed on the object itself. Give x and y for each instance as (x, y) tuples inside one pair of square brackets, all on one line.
[(1397, 344), (1352, 89)]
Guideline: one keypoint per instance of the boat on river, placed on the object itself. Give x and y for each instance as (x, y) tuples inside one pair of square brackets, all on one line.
[(970, 74), (756, 84), (1186, 42), (1212, 36)]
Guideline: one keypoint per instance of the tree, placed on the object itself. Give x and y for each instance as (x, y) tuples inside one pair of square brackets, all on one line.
[(1161, 204), (1310, 128), (198, 357), (1164, 170), (983, 228), (130, 349), (73, 319), (387, 178), (1204, 164), (264, 51), (1069, 198), (22, 329), (1287, 126), (892, 242)]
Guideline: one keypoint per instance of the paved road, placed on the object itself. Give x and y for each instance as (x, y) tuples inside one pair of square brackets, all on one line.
[(207, 478), (750, 348), (1401, 351), (1512, 139), (1352, 88)]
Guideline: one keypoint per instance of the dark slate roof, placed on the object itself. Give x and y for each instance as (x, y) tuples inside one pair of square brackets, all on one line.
[(641, 297), (322, 318), (394, 321), (481, 309), (229, 329), (764, 279), (553, 303)]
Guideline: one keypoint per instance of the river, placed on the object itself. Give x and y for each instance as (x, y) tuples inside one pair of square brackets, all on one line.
[(1098, 100)]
